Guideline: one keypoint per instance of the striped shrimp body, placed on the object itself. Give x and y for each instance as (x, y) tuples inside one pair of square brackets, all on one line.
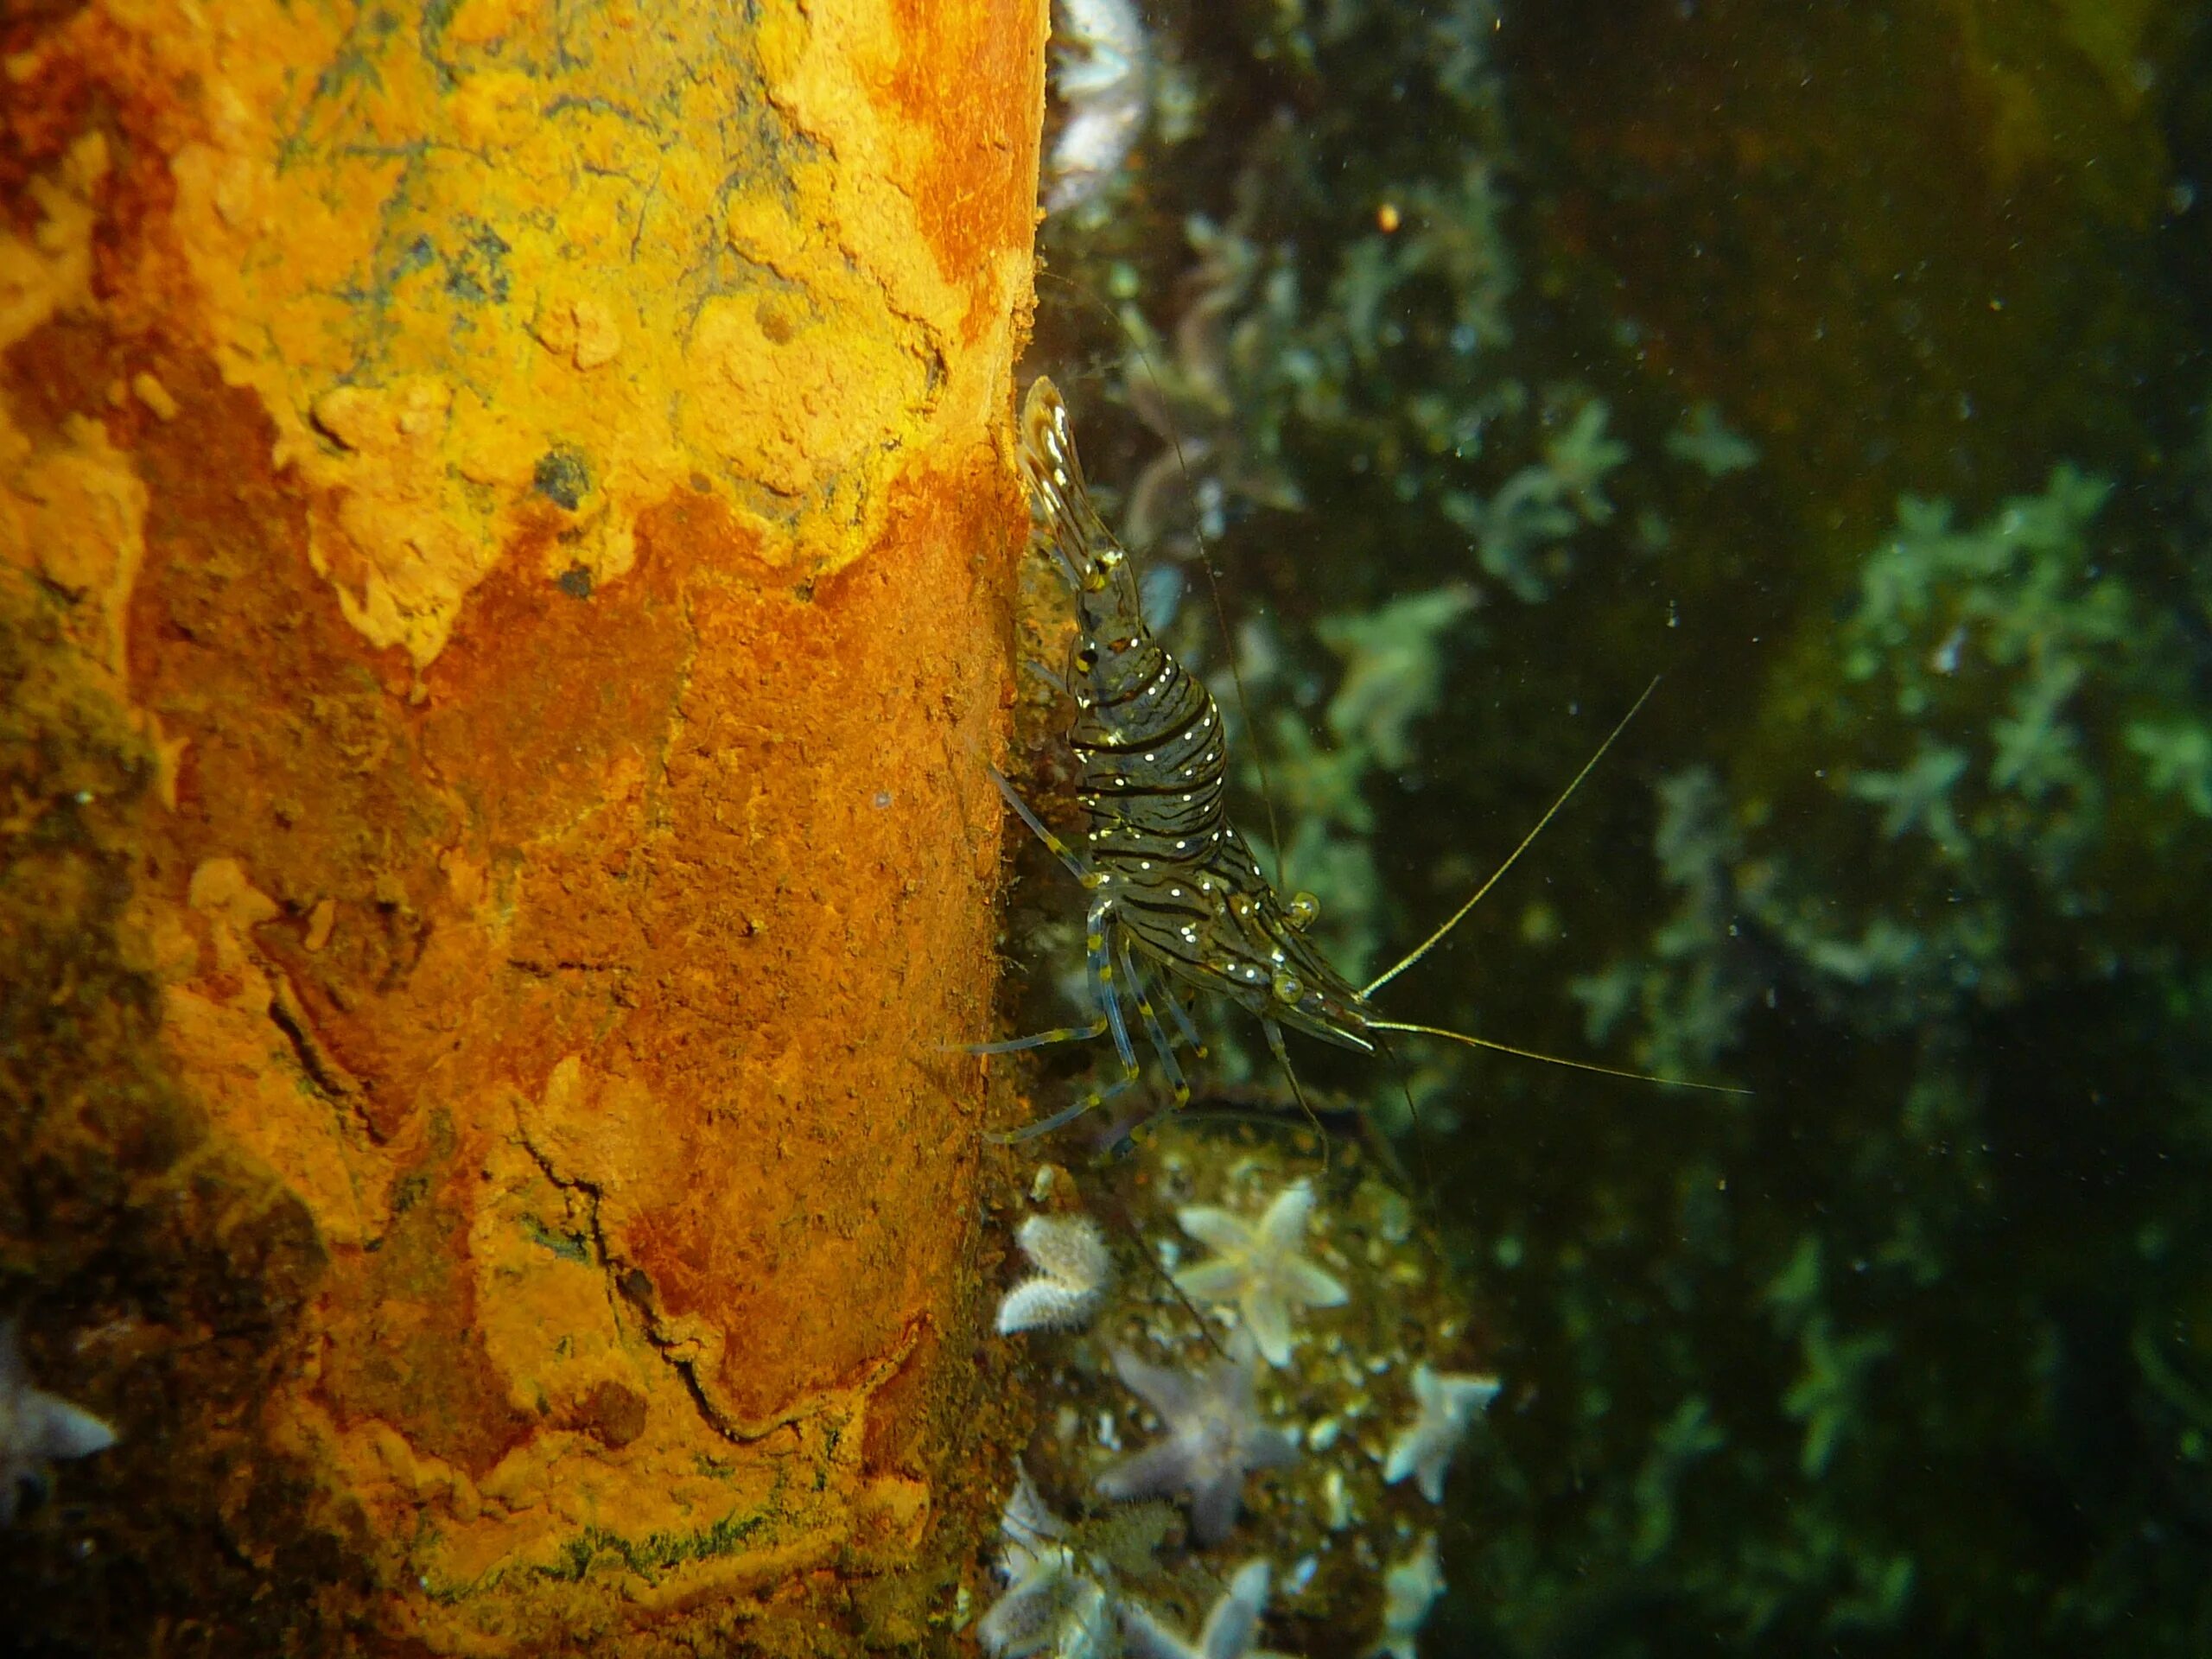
[(1173, 887)]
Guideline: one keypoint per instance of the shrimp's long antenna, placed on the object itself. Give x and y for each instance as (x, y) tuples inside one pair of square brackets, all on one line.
[(1396, 1164), (1552, 1059), (1405, 1084), (1498, 874), (1205, 563), (1255, 747), (1297, 1089)]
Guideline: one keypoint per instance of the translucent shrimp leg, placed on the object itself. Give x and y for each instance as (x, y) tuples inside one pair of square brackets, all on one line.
[(1039, 1040), (1062, 1118), (1067, 855), (1184, 1023), (1100, 962), (1160, 1044), (1298, 1091), (1082, 872)]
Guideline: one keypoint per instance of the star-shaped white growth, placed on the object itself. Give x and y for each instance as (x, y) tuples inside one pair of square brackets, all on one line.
[(1072, 1271), (1052, 1604), (1449, 1401), (1410, 1590), (37, 1428), (1231, 1627), (1215, 1438), (1259, 1266)]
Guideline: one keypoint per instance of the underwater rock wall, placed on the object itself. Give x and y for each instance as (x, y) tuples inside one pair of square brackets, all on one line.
[(503, 609)]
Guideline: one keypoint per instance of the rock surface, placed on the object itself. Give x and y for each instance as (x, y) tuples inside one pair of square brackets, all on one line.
[(503, 570)]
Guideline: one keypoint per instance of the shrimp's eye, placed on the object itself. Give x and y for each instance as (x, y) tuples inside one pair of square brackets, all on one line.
[(1303, 911), (1288, 987)]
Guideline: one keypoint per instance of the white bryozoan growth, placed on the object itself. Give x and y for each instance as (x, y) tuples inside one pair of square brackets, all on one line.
[(1073, 1270)]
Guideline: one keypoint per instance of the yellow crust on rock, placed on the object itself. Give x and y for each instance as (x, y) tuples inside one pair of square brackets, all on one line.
[(546, 255)]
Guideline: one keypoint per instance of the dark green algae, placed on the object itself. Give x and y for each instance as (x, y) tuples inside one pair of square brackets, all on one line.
[(1912, 1351)]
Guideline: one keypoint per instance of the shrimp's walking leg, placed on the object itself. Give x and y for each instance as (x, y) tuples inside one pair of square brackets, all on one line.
[(1041, 1039), (1060, 1119), (1065, 854), (1152, 1028), (1057, 681), (1101, 983), (1080, 871), (1183, 1021), (1298, 1092)]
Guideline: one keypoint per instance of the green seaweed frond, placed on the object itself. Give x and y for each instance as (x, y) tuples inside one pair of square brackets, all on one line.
[(1393, 668)]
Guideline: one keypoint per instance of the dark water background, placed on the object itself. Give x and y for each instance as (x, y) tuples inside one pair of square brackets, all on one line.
[(1910, 1351)]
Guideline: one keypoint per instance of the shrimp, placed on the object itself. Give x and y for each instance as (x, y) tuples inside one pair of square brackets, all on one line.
[(1173, 887)]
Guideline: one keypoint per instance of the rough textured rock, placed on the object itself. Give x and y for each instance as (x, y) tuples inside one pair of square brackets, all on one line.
[(505, 558)]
